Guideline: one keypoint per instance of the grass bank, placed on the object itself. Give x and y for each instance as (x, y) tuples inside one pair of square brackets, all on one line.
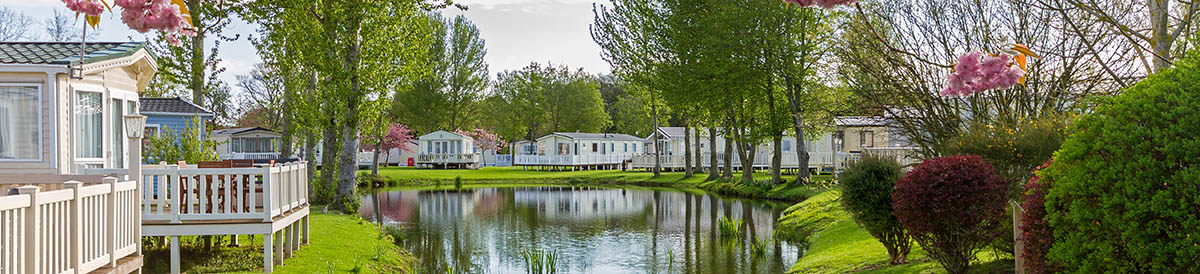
[(835, 244), (500, 176), (339, 244)]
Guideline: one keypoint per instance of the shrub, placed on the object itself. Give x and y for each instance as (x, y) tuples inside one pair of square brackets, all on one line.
[(951, 206), (867, 195), (1126, 193), (1013, 148), (458, 183), (1035, 232)]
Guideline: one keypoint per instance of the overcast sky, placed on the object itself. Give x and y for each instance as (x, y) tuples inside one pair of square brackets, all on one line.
[(516, 33)]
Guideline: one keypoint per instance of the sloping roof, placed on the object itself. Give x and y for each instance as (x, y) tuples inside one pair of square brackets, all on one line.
[(446, 131), (861, 121), (64, 52), (232, 131), (171, 105), (598, 136)]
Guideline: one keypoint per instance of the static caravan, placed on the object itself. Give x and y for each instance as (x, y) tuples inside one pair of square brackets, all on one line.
[(444, 149), (575, 150), (247, 143)]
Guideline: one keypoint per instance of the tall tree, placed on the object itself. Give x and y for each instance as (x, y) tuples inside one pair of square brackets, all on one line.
[(540, 99), (468, 73), (191, 69)]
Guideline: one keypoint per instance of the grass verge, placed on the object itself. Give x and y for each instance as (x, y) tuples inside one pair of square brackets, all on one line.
[(339, 244), (835, 244), (508, 176)]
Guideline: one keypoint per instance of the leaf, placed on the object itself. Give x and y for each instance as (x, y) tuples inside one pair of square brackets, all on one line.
[(183, 10), (93, 20)]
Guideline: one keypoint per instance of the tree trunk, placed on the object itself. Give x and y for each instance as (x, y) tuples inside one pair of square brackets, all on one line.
[(285, 139), (375, 161), (728, 172), (1161, 39), (747, 154), (310, 143), (687, 148), (657, 150), (197, 60), (777, 158), (698, 165), (329, 147), (712, 153), (802, 156)]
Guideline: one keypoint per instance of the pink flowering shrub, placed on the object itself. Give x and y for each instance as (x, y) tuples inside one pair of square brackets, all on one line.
[(827, 4), (977, 73), (143, 15), (485, 140), (398, 136)]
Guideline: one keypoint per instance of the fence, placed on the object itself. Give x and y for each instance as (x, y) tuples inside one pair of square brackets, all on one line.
[(568, 160), (177, 194), (76, 229)]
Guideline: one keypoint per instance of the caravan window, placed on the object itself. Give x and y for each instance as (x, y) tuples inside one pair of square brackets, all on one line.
[(20, 131), (89, 122)]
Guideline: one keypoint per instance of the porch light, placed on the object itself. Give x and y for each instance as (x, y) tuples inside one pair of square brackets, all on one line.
[(135, 126)]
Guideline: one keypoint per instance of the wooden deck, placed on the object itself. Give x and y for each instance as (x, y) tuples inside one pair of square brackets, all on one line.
[(75, 228), (262, 200), (570, 162), (469, 160)]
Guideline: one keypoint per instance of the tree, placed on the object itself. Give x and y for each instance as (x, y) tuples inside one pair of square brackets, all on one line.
[(468, 74), (867, 186), (61, 28), (484, 140), (398, 136), (191, 71), (538, 100), (14, 25)]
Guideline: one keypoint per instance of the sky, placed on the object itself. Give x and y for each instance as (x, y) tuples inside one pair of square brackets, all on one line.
[(516, 33)]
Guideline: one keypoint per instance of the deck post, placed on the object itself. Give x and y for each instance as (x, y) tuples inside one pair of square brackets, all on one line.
[(32, 230), (268, 264), (267, 202), (76, 251), (279, 247), (287, 242), (295, 235), (305, 234), (174, 254), (111, 236)]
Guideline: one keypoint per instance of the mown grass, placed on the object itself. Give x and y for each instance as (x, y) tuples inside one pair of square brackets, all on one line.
[(339, 244), (507, 176), (835, 244)]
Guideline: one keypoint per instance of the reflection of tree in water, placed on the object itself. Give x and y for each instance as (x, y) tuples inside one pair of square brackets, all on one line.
[(594, 230)]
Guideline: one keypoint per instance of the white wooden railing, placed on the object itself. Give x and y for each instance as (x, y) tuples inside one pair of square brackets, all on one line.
[(250, 156), (76, 229), (448, 158), (761, 160), (198, 194), (568, 160)]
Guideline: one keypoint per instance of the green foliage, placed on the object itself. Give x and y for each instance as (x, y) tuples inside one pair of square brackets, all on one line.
[(540, 99), (729, 227), (1126, 184), (539, 261), (190, 145), (867, 195), (458, 183), (1013, 148)]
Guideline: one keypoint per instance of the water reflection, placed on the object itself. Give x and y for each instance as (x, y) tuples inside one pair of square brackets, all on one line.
[(594, 230)]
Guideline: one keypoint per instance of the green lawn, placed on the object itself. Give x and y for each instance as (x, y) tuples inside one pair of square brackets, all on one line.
[(491, 176), (339, 244), (838, 245)]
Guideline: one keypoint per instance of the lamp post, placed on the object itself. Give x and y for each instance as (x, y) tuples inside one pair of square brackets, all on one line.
[(134, 129)]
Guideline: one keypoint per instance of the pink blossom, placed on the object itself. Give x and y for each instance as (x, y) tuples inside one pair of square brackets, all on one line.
[(977, 73), (398, 136), (88, 7), (485, 140), (826, 4)]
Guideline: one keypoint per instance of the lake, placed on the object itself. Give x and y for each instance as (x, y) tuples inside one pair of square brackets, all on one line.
[(593, 230)]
